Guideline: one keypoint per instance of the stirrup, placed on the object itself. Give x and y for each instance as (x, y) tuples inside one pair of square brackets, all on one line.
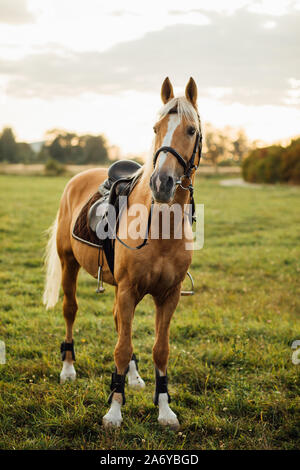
[(100, 289), (189, 292)]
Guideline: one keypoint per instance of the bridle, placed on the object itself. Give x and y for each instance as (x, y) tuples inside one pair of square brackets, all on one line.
[(188, 167)]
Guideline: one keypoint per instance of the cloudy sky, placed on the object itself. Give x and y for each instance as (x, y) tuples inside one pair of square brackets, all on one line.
[(97, 66)]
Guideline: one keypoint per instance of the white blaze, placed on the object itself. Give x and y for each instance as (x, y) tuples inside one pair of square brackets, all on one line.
[(174, 121)]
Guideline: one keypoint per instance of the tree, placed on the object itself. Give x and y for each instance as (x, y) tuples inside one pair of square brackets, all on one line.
[(61, 147), (8, 146), (95, 149), (216, 143), (241, 146), (67, 147), (25, 154)]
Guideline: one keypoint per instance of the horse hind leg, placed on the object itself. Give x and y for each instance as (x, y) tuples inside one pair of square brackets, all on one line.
[(135, 381), (70, 269)]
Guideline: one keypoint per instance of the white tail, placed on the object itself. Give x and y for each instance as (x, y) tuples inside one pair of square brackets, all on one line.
[(53, 269)]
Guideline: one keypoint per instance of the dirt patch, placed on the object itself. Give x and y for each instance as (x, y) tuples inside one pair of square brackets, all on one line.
[(240, 183)]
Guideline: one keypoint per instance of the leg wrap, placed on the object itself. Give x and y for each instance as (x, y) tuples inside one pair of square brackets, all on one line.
[(161, 386), (67, 347), (117, 386), (118, 381)]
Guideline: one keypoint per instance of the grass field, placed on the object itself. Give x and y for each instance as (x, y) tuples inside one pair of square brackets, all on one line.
[(232, 380)]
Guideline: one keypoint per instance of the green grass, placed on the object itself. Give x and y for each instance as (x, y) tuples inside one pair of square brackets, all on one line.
[(231, 377)]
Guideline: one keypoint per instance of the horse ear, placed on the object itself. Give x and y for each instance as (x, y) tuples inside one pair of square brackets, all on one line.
[(167, 91), (191, 92)]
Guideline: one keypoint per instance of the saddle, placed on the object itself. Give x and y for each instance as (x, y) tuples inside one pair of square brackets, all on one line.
[(95, 216), (119, 182)]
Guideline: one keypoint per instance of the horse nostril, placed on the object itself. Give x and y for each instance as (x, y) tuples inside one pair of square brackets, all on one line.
[(151, 181), (169, 183)]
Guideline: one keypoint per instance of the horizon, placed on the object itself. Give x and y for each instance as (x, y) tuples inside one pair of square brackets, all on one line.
[(243, 56)]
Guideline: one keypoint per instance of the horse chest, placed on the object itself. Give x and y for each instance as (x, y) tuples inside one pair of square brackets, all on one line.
[(162, 273)]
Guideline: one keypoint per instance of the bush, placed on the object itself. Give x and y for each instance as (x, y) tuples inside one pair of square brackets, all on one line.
[(290, 164), (273, 164), (54, 168)]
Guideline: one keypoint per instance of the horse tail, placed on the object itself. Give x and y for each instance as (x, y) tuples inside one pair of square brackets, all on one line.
[(53, 269)]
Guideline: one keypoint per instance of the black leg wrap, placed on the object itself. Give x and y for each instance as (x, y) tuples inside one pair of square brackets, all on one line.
[(161, 386), (67, 347), (117, 386)]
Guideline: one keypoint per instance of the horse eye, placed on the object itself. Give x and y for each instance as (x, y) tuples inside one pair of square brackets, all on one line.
[(155, 130), (191, 130)]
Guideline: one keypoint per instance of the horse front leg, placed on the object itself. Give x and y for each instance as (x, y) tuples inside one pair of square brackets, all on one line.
[(123, 312), (164, 311)]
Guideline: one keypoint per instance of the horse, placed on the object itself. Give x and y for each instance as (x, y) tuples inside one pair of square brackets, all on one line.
[(158, 269)]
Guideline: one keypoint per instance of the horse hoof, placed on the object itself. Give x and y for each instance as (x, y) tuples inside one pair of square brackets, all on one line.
[(136, 383), (67, 378), (68, 373), (111, 422), (170, 423)]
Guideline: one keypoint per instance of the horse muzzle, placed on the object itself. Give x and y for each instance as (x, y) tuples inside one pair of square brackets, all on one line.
[(163, 186)]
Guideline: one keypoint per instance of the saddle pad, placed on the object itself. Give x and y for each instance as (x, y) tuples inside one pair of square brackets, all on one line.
[(81, 230)]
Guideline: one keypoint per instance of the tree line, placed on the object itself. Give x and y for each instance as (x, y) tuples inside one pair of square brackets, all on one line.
[(221, 147), (61, 146)]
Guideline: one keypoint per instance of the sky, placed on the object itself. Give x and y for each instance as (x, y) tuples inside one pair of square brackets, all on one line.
[(93, 66)]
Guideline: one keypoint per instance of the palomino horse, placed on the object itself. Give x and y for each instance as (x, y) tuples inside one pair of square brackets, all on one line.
[(158, 269)]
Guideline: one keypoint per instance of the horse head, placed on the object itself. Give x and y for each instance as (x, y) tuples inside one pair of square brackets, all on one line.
[(177, 146)]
